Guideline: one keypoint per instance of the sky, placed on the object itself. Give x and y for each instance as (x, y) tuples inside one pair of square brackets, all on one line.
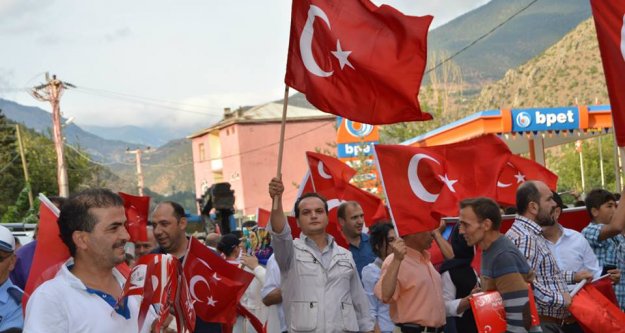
[(156, 63)]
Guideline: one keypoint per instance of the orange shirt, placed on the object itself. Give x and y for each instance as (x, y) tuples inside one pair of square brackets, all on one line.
[(418, 297)]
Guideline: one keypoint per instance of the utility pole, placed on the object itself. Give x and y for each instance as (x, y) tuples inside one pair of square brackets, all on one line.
[(51, 91), (24, 166), (138, 153)]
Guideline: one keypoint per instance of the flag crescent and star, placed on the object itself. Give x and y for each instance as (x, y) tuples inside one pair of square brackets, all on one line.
[(415, 182), (306, 40)]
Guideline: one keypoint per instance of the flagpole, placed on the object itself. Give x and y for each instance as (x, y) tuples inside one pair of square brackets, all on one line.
[(281, 143)]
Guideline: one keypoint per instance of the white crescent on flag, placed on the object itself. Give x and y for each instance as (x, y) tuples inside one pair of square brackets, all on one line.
[(623, 39), (305, 41), (415, 182)]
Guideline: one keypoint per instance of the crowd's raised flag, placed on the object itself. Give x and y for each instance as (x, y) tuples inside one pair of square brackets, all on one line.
[(518, 170), (158, 279), (424, 184), (137, 211), (357, 60), (215, 286), (328, 172), (262, 218), (609, 18)]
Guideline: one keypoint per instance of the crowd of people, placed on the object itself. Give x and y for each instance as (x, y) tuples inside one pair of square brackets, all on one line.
[(381, 283)]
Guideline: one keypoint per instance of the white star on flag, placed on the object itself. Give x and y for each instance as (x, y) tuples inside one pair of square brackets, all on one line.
[(519, 177), (211, 301), (448, 182), (342, 55)]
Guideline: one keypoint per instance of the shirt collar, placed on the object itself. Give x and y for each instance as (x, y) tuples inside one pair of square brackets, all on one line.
[(310, 242), (528, 224), (4, 288), (364, 237)]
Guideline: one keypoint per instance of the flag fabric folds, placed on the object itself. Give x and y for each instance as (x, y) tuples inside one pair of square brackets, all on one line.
[(137, 211), (515, 172), (357, 60), (424, 184), (215, 286), (595, 313), (609, 18)]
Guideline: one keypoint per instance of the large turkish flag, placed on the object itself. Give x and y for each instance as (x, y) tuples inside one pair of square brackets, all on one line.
[(518, 170), (137, 210), (610, 23), (424, 184), (357, 60)]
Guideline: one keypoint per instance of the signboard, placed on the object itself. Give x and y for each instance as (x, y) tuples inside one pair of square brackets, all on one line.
[(548, 119)]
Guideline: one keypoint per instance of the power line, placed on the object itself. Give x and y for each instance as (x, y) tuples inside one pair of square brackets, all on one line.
[(482, 37)]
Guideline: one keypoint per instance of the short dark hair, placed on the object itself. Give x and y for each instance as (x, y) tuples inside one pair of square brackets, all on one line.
[(309, 195), (596, 198), (377, 236), (484, 208), (340, 212), (75, 215), (558, 199), (526, 193), (178, 209)]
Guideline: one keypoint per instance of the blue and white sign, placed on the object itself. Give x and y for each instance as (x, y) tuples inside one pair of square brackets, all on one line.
[(346, 150), (549, 119)]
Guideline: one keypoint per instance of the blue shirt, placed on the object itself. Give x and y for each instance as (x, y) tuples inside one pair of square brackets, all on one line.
[(363, 254), (609, 252), (24, 259), (10, 306), (378, 310)]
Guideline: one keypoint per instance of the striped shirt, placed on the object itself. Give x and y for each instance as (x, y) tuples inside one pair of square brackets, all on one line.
[(608, 252), (550, 282)]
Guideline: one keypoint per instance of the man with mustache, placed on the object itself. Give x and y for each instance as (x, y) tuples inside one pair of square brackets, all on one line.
[(535, 206), (352, 218), (85, 295)]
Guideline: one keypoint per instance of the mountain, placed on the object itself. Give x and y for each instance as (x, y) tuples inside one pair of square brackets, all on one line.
[(145, 136), (567, 73), (514, 43), (99, 149)]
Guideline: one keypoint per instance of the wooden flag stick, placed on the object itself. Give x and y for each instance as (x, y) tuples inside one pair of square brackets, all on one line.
[(281, 143)]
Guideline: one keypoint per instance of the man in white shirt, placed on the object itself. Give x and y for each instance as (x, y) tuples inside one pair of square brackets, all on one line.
[(85, 294), (571, 249)]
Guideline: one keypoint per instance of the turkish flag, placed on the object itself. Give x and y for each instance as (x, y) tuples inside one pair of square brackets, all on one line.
[(518, 170), (50, 252), (137, 210), (595, 313), (610, 24), (357, 60), (328, 172), (424, 184), (262, 217), (214, 285), (604, 286)]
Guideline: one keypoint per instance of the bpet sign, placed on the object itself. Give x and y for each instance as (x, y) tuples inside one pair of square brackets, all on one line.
[(548, 119), (355, 139)]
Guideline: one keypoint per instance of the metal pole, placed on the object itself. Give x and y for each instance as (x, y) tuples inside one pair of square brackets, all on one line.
[(581, 168), (601, 162), (24, 166)]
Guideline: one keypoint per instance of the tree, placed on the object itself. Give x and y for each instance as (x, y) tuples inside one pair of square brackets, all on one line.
[(11, 181)]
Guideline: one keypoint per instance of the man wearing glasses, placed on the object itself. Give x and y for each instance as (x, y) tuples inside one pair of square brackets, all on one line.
[(10, 295)]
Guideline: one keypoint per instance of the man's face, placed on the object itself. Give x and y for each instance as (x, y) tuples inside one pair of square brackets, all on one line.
[(143, 248), (7, 263), (354, 220), (105, 243), (546, 206), (313, 218), (471, 227), (605, 212), (168, 231)]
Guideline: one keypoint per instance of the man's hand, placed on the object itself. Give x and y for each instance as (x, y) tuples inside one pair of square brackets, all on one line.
[(276, 188), (567, 299), (615, 275), (250, 261), (582, 275), (399, 249)]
